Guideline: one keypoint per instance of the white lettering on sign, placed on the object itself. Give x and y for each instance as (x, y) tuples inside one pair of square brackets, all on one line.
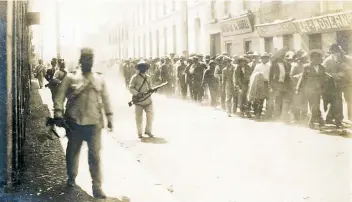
[(236, 26), (337, 21), (277, 29)]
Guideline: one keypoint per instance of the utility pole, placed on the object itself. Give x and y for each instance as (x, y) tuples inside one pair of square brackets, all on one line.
[(58, 34)]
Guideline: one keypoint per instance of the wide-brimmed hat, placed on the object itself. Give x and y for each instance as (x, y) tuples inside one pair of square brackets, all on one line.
[(280, 53), (241, 58), (290, 55), (141, 64), (319, 51), (225, 54), (255, 53), (226, 58), (265, 55), (219, 57), (211, 62)]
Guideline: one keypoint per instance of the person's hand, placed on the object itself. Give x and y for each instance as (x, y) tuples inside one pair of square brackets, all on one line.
[(139, 94), (59, 121), (110, 127)]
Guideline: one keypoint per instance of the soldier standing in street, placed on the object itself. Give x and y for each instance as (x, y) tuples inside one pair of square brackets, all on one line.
[(140, 84), (39, 73), (197, 72), (87, 101), (311, 83), (241, 79), (218, 75), (334, 67), (181, 76), (166, 75), (210, 81), (227, 83)]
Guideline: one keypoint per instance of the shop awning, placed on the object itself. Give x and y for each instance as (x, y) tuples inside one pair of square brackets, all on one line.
[(325, 23), (276, 28)]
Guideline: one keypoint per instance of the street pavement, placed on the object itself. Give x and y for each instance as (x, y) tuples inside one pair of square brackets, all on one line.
[(123, 177), (201, 155)]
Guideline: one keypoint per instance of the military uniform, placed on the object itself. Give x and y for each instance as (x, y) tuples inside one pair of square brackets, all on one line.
[(221, 88), (141, 83), (87, 99), (231, 94)]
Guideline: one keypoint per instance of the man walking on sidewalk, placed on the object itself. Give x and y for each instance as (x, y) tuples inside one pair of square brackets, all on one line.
[(39, 73), (87, 98)]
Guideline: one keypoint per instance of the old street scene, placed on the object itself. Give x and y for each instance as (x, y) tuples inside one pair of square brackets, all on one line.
[(175, 100)]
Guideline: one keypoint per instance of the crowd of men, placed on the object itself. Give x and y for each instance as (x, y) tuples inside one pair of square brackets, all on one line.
[(291, 84)]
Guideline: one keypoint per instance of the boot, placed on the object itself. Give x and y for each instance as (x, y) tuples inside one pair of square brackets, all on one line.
[(71, 182), (98, 193)]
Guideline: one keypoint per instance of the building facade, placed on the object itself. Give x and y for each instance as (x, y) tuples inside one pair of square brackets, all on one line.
[(155, 28)]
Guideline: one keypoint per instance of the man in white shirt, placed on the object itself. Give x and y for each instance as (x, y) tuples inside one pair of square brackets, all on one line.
[(264, 68)]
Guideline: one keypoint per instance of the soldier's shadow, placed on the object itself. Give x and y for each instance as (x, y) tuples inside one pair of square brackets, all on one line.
[(154, 140), (78, 194)]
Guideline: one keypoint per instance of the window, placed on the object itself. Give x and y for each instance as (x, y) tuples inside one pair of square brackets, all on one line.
[(150, 45), (288, 41), (164, 8), (247, 46), (174, 38), (315, 41), (229, 48), (150, 10), (145, 45), (157, 43), (344, 40), (173, 5), (226, 8), (212, 9), (269, 45), (165, 41), (139, 46)]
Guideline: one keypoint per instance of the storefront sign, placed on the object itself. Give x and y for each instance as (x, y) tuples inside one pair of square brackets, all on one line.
[(276, 28), (236, 26), (331, 22)]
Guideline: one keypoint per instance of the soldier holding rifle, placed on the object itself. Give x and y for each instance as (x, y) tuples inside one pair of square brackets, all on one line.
[(140, 87)]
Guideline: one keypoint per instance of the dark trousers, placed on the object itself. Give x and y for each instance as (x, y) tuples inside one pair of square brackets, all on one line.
[(183, 88), (213, 91), (231, 100), (336, 109), (53, 91), (245, 106), (299, 107), (314, 105), (222, 95), (197, 91), (76, 135), (347, 94)]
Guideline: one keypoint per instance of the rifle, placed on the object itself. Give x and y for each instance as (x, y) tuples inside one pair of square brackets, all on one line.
[(51, 122), (136, 99)]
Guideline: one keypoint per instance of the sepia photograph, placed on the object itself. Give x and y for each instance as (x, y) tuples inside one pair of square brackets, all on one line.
[(176, 100)]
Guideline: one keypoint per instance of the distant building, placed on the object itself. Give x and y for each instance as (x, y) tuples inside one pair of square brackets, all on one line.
[(155, 28)]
